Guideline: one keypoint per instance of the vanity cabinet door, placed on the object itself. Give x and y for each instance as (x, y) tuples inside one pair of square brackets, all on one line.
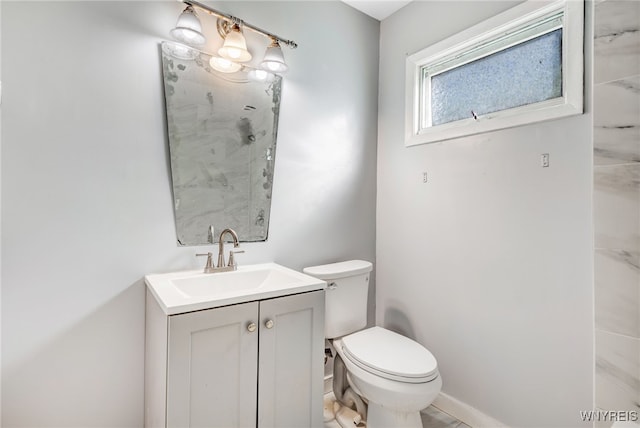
[(291, 361), (212, 368)]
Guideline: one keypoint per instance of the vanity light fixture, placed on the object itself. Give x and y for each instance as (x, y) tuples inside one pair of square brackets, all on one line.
[(273, 59), (235, 46), (188, 30)]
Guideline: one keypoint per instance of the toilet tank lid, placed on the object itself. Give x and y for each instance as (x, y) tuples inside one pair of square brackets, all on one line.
[(339, 270)]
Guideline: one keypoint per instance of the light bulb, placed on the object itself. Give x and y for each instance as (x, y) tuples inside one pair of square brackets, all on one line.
[(234, 53), (235, 46)]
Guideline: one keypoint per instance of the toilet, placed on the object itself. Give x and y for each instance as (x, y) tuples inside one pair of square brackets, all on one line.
[(395, 375)]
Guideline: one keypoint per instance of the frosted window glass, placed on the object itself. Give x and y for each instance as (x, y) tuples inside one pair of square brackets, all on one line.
[(523, 74)]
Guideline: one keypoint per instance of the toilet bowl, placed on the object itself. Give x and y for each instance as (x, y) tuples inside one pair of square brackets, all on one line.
[(397, 381), (397, 376)]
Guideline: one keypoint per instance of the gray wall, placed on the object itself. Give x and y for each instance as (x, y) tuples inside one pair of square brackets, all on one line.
[(616, 117), (86, 192), (490, 263)]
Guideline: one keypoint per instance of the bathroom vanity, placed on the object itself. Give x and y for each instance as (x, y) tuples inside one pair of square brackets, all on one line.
[(234, 349)]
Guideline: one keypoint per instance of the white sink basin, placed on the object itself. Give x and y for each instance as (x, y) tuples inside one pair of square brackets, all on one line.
[(180, 292)]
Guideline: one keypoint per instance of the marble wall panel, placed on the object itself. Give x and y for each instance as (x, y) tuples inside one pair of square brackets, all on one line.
[(617, 207), (616, 113), (617, 40), (617, 292), (617, 372), (616, 117)]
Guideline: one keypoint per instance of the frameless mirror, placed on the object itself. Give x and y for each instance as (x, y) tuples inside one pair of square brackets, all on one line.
[(222, 131)]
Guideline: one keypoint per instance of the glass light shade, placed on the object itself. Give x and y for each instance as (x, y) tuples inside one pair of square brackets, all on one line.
[(235, 47), (188, 29), (273, 59), (223, 65), (257, 75)]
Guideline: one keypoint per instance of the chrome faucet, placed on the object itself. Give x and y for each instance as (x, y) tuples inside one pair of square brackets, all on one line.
[(236, 244), (221, 267)]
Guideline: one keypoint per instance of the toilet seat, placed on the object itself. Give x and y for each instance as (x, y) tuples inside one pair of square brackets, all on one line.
[(390, 355)]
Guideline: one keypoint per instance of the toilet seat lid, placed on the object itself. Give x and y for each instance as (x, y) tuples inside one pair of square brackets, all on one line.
[(390, 355)]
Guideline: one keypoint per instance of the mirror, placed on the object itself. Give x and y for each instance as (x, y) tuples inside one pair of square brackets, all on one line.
[(222, 141)]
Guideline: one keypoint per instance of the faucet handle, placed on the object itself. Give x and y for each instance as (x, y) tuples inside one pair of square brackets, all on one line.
[(208, 268), (232, 260)]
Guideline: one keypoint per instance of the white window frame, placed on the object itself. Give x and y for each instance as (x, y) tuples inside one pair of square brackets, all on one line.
[(570, 103)]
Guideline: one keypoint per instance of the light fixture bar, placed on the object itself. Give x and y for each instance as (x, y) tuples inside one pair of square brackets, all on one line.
[(233, 19)]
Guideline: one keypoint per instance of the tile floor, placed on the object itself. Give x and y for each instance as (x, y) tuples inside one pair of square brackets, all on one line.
[(431, 418)]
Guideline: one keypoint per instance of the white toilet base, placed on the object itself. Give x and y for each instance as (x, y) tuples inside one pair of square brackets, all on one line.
[(381, 417)]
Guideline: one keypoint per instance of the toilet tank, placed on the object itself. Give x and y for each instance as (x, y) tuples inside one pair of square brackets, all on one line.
[(346, 295)]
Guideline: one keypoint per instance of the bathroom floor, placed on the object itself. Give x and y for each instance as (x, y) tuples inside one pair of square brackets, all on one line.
[(431, 418)]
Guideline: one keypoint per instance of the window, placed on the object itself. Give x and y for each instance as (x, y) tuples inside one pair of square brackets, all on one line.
[(522, 66)]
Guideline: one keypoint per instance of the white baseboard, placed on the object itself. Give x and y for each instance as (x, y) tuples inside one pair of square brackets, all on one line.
[(465, 413)]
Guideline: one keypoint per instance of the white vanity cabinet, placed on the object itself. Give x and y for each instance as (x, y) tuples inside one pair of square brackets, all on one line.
[(254, 364)]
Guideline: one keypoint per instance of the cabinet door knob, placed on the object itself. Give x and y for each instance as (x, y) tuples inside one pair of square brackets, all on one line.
[(251, 327), (268, 323)]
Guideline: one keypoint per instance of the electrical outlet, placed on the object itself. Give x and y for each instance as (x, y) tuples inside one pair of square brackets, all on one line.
[(424, 177), (544, 160)]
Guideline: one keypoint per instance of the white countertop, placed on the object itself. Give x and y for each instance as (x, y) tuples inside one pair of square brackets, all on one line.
[(187, 291)]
